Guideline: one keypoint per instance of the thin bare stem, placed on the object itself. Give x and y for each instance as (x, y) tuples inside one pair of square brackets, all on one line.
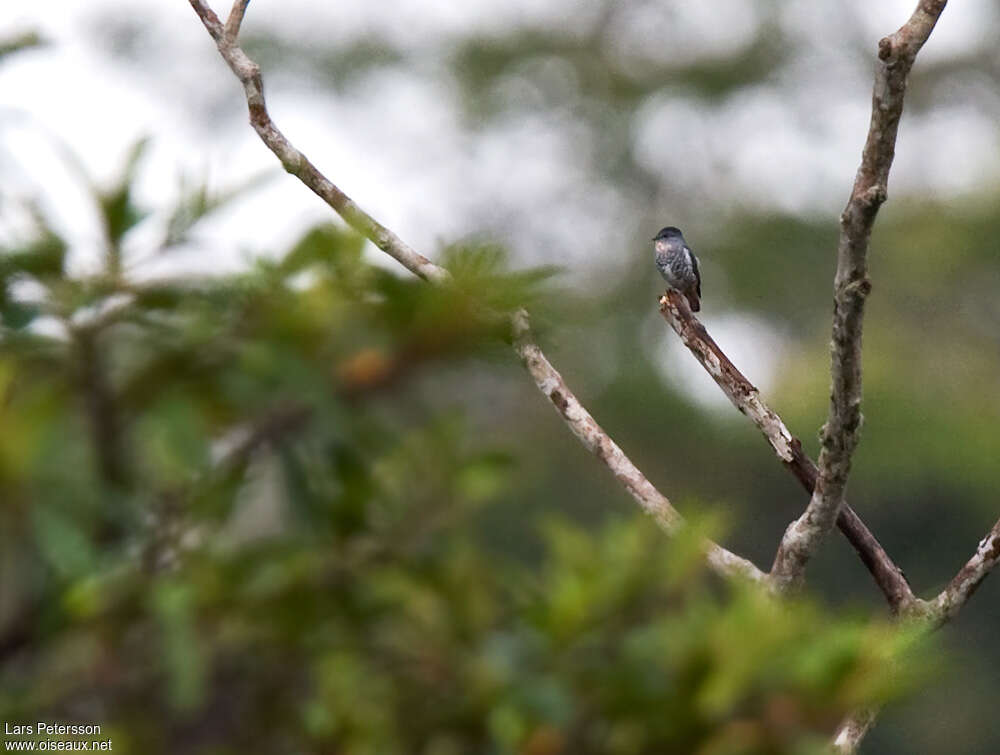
[(298, 165), (842, 430), (599, 443), (853, 729), (951, 599), (235, 20)]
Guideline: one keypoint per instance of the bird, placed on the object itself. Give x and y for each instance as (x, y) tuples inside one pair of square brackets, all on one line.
[(678, 265)]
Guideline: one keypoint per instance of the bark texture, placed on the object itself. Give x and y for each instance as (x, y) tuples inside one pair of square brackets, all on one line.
[(599, 443), (840, 434)]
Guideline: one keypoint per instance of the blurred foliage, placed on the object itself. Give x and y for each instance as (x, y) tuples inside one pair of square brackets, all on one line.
[(230, 522)]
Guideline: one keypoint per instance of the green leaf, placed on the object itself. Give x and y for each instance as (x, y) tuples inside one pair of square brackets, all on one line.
[(66, 546), (174, 604), (325, 244), (484, 477), (480, 272), (118, 211), (42, 258), (197, 202), (16, 314)]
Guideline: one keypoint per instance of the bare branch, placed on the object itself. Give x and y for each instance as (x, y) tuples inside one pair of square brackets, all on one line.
[(595, 440), (851, 285), (208, 17), (235, 20), (853, 729), (546, 378), (842, 430), (950, 601), (745, 397), (298, 165)]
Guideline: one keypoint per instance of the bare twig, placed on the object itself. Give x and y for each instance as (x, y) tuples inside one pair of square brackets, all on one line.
[(841, 432), (896, 54), (950, 601), (546, 378), (853, 729), (235, 20), (745, 397), (595, 440), (297, 163)]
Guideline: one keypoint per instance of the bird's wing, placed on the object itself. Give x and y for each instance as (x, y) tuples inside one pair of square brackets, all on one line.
[(694, 264)]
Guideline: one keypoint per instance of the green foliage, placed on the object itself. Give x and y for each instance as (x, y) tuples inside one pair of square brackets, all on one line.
[(40, 258), (197, 201), (118, 211)]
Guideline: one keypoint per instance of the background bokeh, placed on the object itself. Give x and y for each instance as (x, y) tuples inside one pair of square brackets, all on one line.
[(219, 409)]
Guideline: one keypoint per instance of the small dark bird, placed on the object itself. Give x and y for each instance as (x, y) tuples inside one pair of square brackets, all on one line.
[(678, 265)]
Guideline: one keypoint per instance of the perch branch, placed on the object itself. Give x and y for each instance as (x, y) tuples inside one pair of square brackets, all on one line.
[(896, 54), (951, 599), (746, 398), (840, 434), (853, 729), (546, 378), (599, 443)]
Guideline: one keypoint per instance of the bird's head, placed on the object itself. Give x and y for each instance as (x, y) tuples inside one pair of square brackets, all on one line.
[(668, 233)]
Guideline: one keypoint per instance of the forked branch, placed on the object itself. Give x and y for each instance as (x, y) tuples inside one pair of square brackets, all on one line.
[(842, 430), (746, 398)]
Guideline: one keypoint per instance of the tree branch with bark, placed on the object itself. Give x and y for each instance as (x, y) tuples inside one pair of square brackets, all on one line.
[(951, 599), (842, 431)]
